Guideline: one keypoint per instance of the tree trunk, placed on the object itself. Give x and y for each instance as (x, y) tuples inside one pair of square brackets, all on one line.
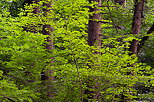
[(136, 28), (94, 26), (94, 39), (47, 76), (47, 30), (136, 25)]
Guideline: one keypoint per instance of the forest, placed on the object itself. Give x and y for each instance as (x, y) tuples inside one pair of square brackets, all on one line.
[(76, 50)]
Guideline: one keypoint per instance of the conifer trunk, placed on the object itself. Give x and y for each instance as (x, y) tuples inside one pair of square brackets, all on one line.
[(136, 25)]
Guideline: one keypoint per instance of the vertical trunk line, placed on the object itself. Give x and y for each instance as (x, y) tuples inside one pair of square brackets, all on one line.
[(94, 26), (136, 25), (47, 30), (94, 39), (136, 28)]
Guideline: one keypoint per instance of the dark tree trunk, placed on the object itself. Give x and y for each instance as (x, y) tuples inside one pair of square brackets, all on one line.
[(48, 30), (136, 28), (94, 39), (136, 25), (47, 76), (94, 26)]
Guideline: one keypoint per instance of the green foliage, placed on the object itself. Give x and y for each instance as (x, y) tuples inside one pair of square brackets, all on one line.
[(22, 59), (76, 68), (10, 92)]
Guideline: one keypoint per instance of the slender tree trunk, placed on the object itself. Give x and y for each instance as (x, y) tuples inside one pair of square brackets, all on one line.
[(47, 30), (47, 76), (36, 9), (136, 25)]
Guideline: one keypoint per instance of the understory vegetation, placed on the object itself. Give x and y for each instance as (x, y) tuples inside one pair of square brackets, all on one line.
[(46, 56)]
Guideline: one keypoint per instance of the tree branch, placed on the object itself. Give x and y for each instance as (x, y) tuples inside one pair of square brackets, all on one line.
[(145, 38)]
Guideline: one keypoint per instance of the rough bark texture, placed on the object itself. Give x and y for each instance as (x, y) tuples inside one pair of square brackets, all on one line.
[(136, 25), (94, 26)]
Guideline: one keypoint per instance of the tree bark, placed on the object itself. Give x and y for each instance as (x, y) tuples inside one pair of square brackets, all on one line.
[(94, 39), (47, 76), (136, 28), (47, 30), (94, 25), (136, 25)]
